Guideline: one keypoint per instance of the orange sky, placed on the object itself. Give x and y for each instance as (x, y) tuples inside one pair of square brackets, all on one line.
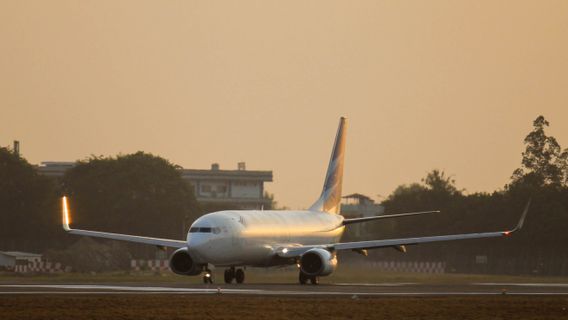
[(426, 84)]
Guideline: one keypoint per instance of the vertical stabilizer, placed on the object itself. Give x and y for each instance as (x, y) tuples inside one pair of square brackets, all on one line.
[(330, 199)]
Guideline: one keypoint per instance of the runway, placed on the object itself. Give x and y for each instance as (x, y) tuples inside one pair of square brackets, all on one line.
[(139, 301), (340, 289)]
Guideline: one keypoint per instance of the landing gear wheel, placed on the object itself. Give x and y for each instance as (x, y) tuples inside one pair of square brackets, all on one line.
[(240, 276), (314, 280), (208, 277), (229, 275), (303, 278)]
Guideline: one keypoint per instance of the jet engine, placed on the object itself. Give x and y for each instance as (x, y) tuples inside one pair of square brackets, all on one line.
[(318, 262), (182, 263)]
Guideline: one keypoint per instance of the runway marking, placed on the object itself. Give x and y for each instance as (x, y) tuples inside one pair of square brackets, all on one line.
[(556, 285), (130, 290), (126, 288), (284, 293), (399, 284)]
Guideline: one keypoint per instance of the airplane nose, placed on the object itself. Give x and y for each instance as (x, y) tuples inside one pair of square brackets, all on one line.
[(198, 246), (196, 240)]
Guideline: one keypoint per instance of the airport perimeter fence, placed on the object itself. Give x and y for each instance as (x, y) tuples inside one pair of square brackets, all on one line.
[(149, 265), (555, 266), (39, 266), (434, 267), (464, 264)]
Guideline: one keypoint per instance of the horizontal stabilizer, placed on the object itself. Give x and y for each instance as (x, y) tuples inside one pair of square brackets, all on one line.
[(389, 216)]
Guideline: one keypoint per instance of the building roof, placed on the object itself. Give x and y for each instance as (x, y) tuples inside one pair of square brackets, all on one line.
[(57, 169), (19, 254), (357, 196), (197, 174)]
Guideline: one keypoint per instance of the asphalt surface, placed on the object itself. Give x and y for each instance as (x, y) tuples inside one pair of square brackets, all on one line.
[(338, 289)]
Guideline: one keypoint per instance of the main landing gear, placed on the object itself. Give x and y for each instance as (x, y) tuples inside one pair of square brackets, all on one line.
[(304, 278), (231, 273)]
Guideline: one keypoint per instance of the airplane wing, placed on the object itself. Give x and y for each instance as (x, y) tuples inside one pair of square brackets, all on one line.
[(388, 216), (117, 236), (296, 251)]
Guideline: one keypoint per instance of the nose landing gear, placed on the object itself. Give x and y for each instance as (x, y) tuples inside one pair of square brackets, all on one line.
[(208, 277), (238, 275)]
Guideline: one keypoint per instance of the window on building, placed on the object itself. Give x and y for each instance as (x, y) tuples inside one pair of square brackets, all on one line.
[(205, 188)]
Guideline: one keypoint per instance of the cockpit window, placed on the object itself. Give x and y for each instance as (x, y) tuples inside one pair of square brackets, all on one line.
[(204, 230)]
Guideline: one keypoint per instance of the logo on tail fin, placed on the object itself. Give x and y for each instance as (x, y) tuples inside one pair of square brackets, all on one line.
[(330, 198)]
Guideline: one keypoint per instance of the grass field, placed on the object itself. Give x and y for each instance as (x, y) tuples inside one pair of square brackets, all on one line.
[(222, 306), (274, 308), (344, 274)]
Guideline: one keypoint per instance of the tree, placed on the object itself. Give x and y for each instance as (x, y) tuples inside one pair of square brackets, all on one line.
[(436, 190), (564, 165), (439, 183), (543, 161), (27, 205), (137, 193)]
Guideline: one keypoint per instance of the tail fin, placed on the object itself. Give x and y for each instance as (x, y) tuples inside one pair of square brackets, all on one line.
[(330, 198)]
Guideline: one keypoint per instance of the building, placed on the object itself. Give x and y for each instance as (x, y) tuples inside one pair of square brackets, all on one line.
[(237, 188), (240, 188), (54, 168), (360, 206), (9, 260)]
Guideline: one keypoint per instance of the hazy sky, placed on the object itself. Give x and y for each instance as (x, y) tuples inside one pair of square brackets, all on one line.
[(450, 84)]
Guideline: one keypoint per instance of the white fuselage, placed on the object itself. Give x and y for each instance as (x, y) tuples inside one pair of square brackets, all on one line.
[(250, 238)]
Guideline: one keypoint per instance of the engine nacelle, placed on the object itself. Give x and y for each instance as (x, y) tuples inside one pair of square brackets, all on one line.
[(318, 262), (182, 263)]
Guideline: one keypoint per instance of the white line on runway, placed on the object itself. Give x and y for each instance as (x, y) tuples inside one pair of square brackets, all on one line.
[(400, 284), (557, 285), (107, 289), (288, 293)]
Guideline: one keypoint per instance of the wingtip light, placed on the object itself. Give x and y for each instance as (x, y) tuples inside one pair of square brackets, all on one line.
[(66, 220)]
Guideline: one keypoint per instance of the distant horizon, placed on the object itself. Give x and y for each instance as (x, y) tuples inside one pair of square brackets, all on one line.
[(442, 85)]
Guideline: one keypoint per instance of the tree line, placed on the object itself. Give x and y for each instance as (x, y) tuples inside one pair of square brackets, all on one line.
[(135, 194), (539, 248), (144, 194)]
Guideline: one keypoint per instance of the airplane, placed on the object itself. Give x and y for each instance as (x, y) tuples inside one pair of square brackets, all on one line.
[(235, 239)]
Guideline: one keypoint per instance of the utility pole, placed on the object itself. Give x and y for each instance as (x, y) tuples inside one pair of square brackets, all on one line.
[(17, 148)]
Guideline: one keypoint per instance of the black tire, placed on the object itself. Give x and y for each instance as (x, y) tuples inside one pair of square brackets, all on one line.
[(314, 280), (240, 276), (229, 275), (303, 278)]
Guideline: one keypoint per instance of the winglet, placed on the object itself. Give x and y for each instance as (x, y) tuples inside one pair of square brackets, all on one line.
[(521, 220), (65, 214)]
